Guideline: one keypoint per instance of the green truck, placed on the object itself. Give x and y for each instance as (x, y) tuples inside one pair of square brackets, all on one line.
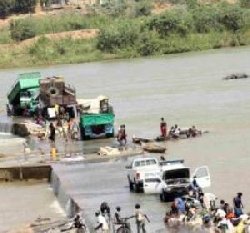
[(97, 125), (24, 95)]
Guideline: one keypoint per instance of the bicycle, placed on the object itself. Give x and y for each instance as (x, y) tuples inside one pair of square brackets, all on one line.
[(125, 226)]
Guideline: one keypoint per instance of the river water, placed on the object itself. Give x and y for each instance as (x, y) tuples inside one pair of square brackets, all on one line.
[(186, 89)]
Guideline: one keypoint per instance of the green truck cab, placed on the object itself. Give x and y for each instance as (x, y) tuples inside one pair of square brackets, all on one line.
[(24, 95)]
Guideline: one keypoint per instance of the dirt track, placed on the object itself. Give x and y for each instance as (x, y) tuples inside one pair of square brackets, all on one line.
[(75, 35)]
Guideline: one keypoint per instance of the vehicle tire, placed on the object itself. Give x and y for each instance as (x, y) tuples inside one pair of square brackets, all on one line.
[(109, 135), (83, 136), (131, 184), (82, 133), (163, 197), (123, 230)]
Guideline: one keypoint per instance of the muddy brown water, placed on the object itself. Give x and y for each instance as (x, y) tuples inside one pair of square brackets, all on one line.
[(186, 89)]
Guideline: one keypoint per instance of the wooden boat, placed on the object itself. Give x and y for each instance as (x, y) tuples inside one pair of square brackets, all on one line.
[(141, 140), (153, 148)]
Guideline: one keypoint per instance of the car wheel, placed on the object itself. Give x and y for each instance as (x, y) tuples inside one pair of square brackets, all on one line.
[(137, 188)]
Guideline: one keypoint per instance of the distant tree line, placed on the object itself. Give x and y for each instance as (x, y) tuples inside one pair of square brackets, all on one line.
[(8, 7)]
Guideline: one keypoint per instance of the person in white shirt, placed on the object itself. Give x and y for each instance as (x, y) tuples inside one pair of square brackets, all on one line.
[(102, 223), (225, 225)]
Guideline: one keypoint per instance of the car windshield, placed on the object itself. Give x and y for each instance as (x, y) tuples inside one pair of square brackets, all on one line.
[(144, 163)]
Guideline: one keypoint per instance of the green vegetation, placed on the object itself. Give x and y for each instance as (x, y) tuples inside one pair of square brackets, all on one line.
[(21, 30), (245, 3), (133, 32), (63, 51), (178, 30)]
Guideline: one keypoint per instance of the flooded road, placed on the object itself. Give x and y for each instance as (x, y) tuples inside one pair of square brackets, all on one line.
[(186, 89), (22, 203)]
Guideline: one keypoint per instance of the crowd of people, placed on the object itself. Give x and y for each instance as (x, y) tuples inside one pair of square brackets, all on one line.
[(198, 212), (65, 129), (194, 212), (62, 126)]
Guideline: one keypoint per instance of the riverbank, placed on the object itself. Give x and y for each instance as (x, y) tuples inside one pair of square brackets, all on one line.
[(181, 29)]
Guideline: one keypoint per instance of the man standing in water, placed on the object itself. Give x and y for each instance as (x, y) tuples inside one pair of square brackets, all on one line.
[(122, 136), (140, 219), (163, 128), (238, 205)]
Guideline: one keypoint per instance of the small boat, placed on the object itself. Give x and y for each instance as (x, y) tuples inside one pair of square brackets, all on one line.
[(153, 148)]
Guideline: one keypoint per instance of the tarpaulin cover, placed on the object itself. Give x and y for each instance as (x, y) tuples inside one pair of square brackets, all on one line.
[(97, 119)]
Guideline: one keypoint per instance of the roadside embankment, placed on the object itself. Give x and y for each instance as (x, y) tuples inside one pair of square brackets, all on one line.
[(25, 172)]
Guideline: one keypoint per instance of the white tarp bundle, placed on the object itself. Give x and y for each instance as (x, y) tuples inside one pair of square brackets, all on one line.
[(91, 105)]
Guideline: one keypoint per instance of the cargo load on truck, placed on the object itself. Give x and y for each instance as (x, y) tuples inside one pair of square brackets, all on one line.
[(96, 118)]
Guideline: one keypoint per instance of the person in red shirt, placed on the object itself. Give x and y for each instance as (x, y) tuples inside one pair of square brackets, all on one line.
[(163, 128)]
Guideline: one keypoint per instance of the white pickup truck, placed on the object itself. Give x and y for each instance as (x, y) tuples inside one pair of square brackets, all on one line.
[(148, 175)]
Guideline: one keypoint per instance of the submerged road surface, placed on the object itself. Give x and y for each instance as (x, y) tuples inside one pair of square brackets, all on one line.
[(91, 184)]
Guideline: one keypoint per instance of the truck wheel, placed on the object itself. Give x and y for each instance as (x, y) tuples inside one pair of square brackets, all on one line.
[(83, 136), (131, 186), (109, 135)]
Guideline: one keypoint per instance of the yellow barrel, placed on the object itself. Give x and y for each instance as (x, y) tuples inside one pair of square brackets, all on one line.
[(53, 153)]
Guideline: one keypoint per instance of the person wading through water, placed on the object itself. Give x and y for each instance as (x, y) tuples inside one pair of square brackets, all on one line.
[(238, 205), (163, 128), (140, 219), (122, 136)]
